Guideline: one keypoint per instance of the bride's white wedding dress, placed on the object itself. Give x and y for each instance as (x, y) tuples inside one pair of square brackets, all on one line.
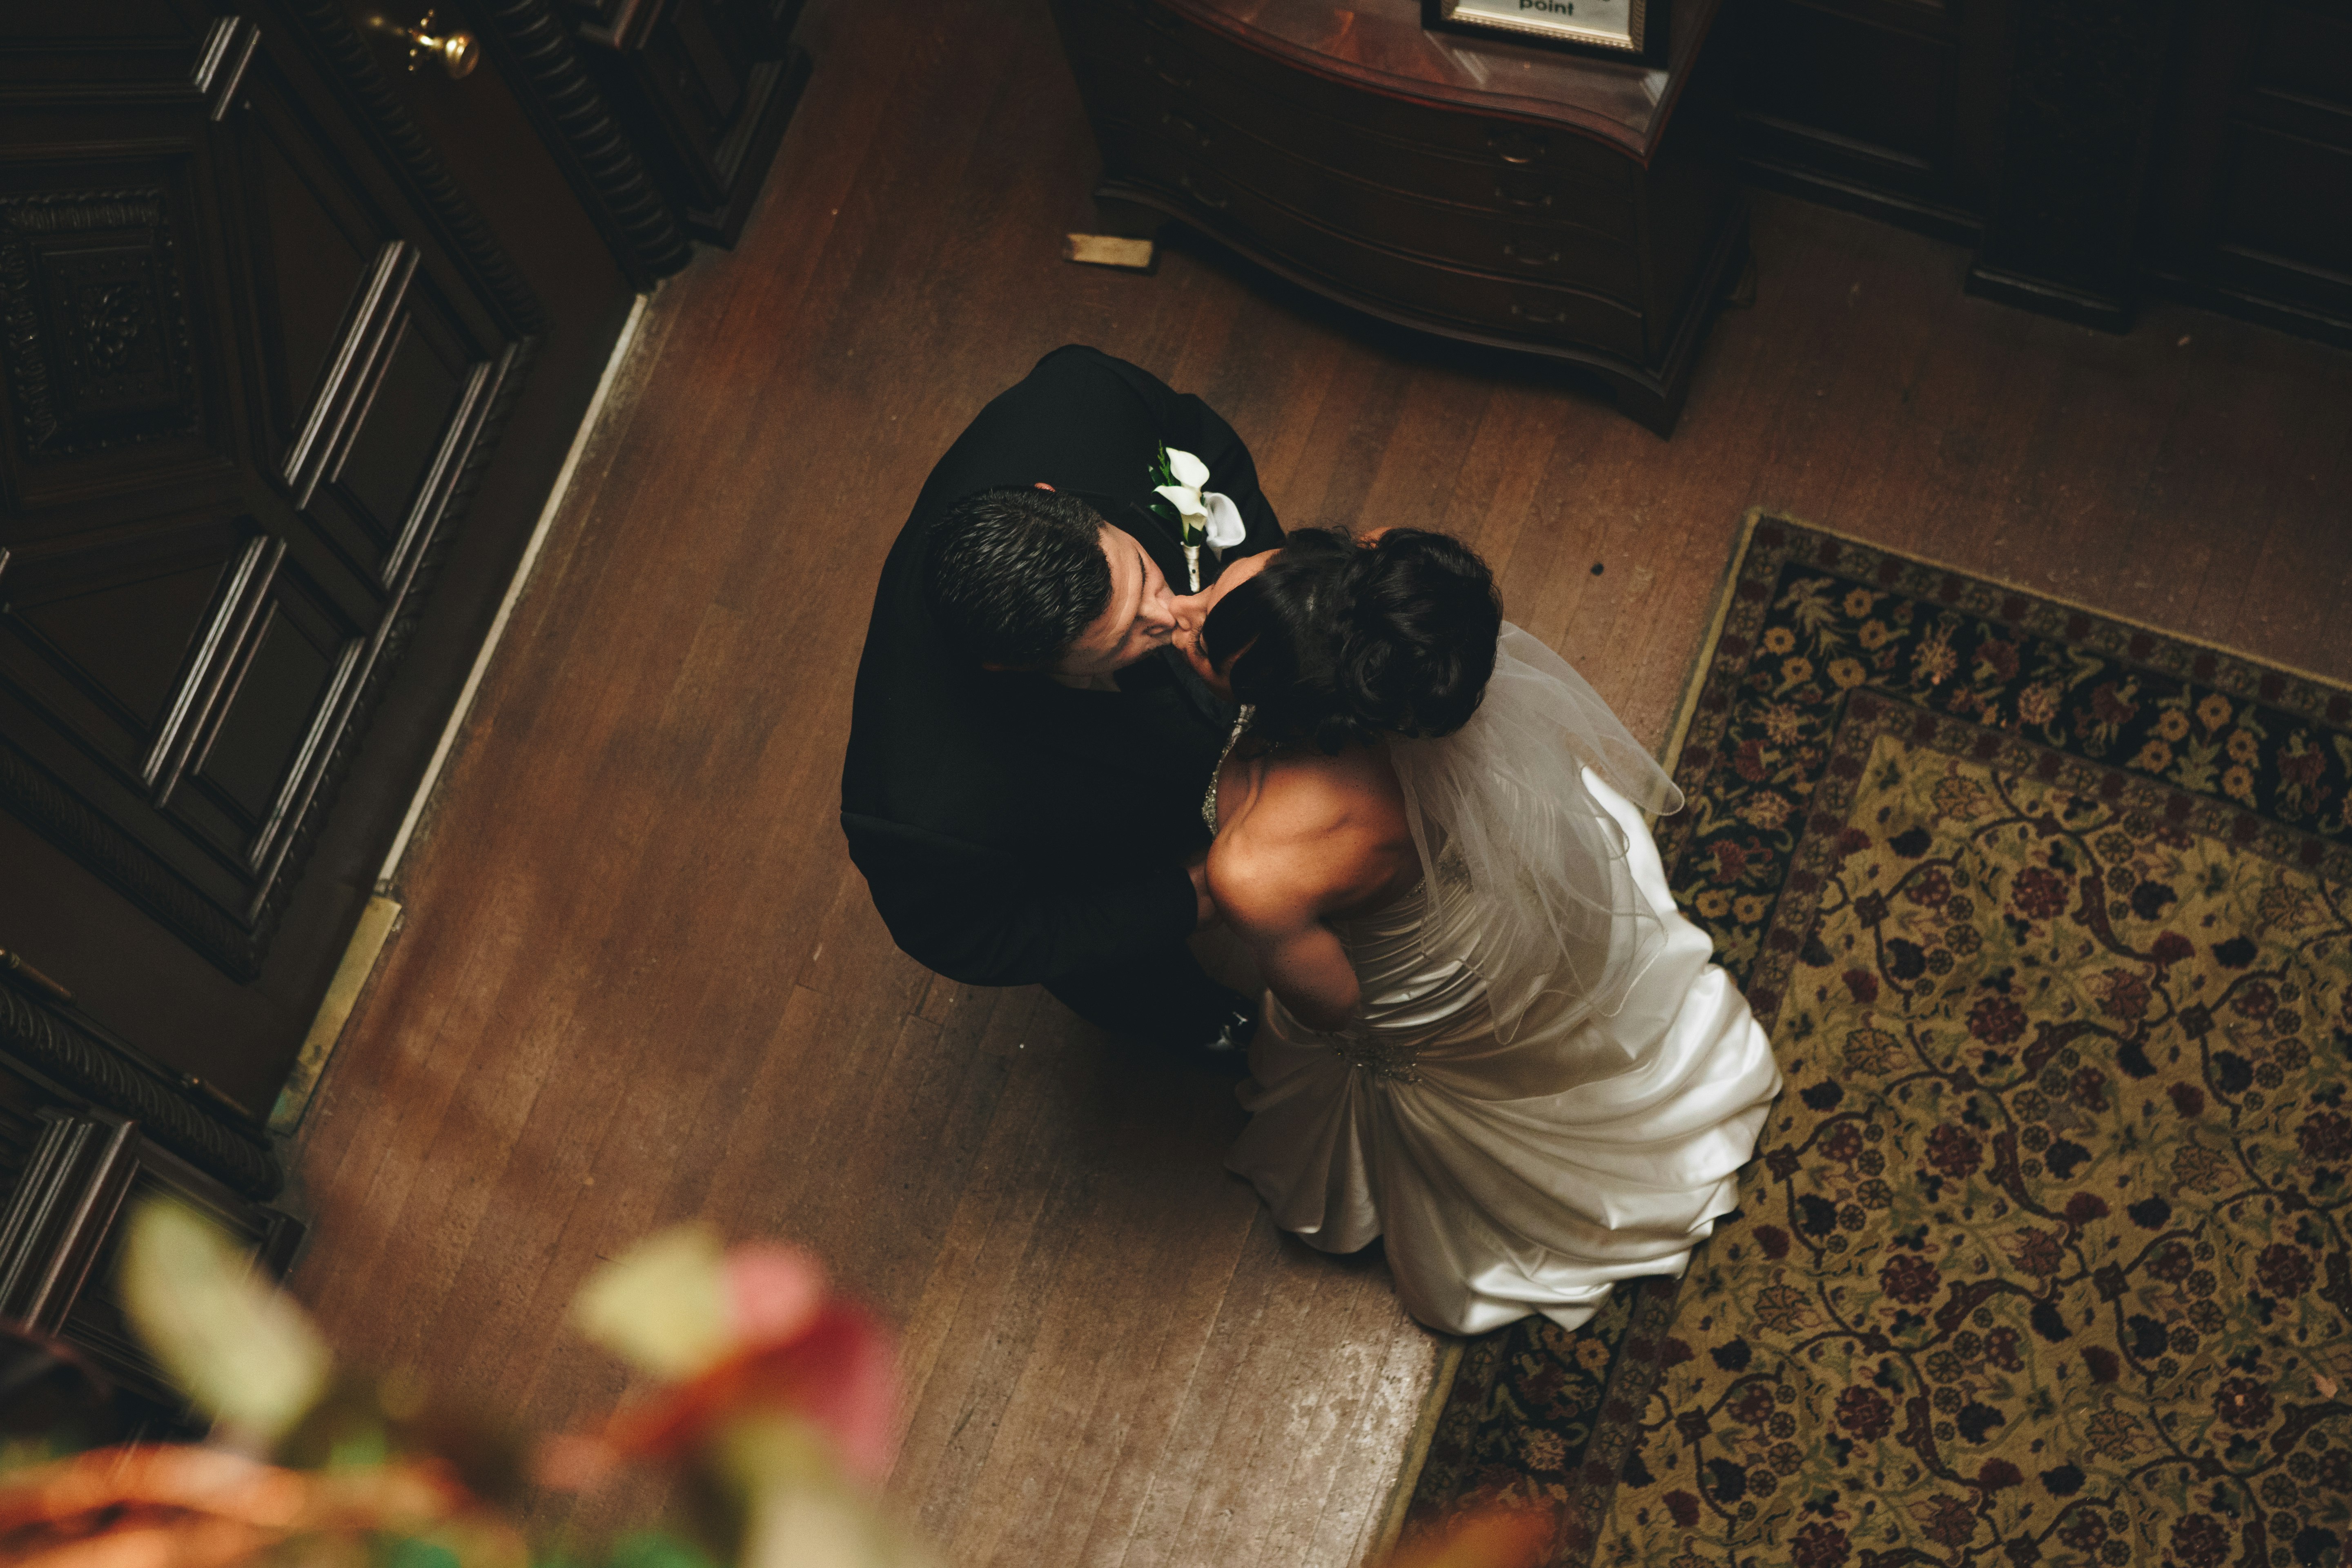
[(1523, 1165)]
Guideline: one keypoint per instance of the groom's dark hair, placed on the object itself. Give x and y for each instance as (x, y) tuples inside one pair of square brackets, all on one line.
[(1015, 576)]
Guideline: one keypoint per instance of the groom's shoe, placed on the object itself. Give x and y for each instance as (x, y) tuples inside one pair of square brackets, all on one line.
[(1226, 1053)]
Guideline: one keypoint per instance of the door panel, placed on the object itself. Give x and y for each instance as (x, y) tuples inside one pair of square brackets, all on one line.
[(280, 704), (63, 603), (261, 351), (103, 372), (328, 251), (195, 677)]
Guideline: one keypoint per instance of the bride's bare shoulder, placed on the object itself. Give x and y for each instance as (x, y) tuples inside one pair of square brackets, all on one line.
[(1317, 832)]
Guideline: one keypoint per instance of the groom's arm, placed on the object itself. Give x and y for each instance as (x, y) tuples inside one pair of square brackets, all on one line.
[(959, 911)]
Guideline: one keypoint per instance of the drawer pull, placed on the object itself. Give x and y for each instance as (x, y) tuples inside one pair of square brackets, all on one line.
[(1167, 73), (1207, 199), (1185, 128), (1530, 257), (1514, 146), (1552, 318), (1159, 21), (1536, 201)]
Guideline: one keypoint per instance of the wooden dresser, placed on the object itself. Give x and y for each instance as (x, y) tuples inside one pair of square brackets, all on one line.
[(1552, 205)]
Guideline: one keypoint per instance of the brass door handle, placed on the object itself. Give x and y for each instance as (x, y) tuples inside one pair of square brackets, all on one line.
[(457, 50)]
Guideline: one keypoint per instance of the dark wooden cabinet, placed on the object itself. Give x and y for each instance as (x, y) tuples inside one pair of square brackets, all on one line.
[(2089, 150), (1890, 107), (293, 340), (72, 1163), (2249, 206), (1565, 208)]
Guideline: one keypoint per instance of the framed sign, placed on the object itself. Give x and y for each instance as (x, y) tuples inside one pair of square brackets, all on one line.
[(1624, 30)]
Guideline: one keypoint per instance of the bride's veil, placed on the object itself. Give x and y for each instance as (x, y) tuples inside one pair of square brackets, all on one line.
[(1499, 810)]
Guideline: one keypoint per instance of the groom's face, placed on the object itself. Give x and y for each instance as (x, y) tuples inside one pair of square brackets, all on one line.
[(1142, 614)]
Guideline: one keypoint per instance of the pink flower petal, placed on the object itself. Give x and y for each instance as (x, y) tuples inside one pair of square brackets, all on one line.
[(853, 1389), (773, 1293)]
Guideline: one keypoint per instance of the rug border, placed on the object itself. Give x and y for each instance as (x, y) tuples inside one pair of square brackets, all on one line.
[(1756, 514), (1703, 660), (1416, 1448)]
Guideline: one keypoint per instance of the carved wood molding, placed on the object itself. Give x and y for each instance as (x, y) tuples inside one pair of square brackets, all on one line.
[(95, 333), (55, 1047), (349, 58), (637, 220)]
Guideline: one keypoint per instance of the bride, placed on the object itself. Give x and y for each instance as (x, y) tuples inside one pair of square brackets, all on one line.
[(1488, 1035)]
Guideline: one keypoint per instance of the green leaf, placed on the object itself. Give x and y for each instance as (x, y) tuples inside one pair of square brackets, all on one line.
[(657, 1549), (410, 1552)]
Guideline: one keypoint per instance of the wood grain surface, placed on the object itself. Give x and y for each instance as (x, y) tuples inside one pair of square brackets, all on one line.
[(639, 982)]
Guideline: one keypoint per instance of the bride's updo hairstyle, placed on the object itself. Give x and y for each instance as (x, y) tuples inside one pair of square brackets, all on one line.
[(1349, 642)]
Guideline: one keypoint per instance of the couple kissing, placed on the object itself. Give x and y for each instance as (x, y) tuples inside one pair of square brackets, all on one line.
[(1486, 1032)]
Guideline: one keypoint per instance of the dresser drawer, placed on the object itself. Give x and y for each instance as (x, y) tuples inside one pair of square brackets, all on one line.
[(1212, 121), (1485, 241), (1508, 307), (1226, 78)]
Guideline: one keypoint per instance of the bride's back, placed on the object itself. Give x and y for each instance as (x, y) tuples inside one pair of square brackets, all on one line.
[(1330, 830), (1337, 646)]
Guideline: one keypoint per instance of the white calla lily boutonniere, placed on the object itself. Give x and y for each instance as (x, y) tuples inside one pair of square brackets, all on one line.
[(1204, 516)]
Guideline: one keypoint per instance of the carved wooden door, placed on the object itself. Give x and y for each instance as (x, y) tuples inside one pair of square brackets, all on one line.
[(256, 353)]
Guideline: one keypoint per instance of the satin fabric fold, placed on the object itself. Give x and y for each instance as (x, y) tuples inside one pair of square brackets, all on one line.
[(1510, 1178)]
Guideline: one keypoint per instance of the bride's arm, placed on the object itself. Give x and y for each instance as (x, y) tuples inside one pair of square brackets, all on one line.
[(1315, 838), (1302, 960)]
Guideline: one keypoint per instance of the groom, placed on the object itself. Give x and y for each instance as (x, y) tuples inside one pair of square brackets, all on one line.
[(1027, 753)]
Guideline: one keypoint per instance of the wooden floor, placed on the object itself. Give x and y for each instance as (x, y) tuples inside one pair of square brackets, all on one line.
[(639, 981)]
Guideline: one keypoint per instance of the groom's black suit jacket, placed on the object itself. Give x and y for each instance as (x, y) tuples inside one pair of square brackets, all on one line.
[(1012, 830)]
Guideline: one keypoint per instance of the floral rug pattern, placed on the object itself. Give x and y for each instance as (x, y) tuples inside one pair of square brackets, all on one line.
[(2046, 1258)]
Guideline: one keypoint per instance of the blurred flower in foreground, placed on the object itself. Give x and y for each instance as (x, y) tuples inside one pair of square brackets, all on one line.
[(247, 1358), (180, 1506), (784, 1395), (243, 1351), (775, 1408), (1499, 1536)]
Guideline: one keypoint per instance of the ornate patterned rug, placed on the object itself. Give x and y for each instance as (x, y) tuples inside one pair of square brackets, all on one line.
[(2048, 1255)]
